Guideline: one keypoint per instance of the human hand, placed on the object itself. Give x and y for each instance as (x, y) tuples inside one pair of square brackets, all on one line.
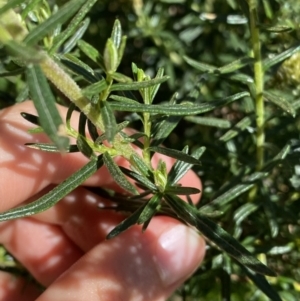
[(64, 248)]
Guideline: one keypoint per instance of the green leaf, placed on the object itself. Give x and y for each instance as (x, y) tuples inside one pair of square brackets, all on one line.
[(164, 129), (110, 57), (123, 99), (60, 17), (276, 28), (47, 147), (261, 282), (150, 209), (44, 102), (73, 26), (127, 223), (79, 32), (269, 62), (180, 168), (79, 68), (121, 49), (56, 194), (244, 211), (177, 109), (92, 130), (84, 147), (281, 102), (200, 66), (210, 121), (91, 53), (217, 235), (178, 190), (239, 127), (24, 53), (138, 163), (95, 88), (31, 118), (117, 174), (232, 193), (109, 120), (10, 4), (176, 154), (141, 179), (138, 85), (235, 65), (116, 35), (121, 78), (154, 89)]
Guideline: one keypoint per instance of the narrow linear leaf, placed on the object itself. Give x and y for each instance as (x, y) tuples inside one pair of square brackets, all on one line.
[(92, 130), (278, 158), (138, 85), (261, 282), (139, 178), (121, 49), (127, 223), (95, 88), (10, 4), (242, 212), (235, 65), (140, 165), (121, 78), (154, 89), (232, 193), (91, 53), (276, 29), (47, 147), (178, 190), (150, 209), (23, 52), (56, 194), (79, 32), (80, 68), (72, 26), (180, 168), (165, 128), (176, 154), (269, 62), (239, 127), (44, 102), (200, 66), (31, 118), (117, 174), (116, 34), (60, 17), (217, 235), (176, 109), (210, 121), (281, 102), (123, 99), (84, 147), (109, 120)]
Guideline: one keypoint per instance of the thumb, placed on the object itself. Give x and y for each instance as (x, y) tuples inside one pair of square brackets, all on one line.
[(133, 266)]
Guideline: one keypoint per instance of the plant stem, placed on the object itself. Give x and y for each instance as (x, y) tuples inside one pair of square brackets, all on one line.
[(259, 84)]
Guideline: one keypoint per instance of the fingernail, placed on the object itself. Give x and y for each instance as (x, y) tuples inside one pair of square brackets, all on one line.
[(179, 252)]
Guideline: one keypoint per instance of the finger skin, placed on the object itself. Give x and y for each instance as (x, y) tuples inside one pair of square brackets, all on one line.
[(15, 288), (43, 249), (133, 266)]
